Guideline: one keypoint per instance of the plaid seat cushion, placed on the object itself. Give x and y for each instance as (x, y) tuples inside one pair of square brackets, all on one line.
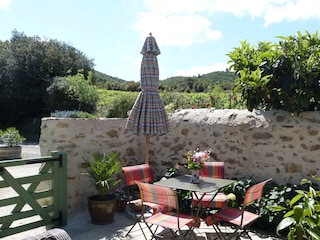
[(169, 220), (233, 215), (141, 173), (213, 169), (219, 201)]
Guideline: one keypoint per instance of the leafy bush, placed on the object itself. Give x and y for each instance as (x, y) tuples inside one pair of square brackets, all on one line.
[(302, 217), (275, 203), (239, 188), (11, 137), (115, 104), (73, 92), (279, 76)]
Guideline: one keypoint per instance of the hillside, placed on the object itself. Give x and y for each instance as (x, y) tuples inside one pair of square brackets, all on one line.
[(199, 83)]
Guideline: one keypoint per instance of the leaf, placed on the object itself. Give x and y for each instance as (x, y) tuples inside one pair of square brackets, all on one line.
[(314, 232), (288, 214), (296, 198), (286, 222), (278, 208)]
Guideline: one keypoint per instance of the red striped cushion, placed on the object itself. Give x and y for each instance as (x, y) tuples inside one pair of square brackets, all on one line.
[(219, 201), (170, 220), (234, 215), (213, 169), (254, 193), (162, 196), (141, 173)]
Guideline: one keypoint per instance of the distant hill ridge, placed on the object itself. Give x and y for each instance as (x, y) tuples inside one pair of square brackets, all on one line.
[(209, 78)]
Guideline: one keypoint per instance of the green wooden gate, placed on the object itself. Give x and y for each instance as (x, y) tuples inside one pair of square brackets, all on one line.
[(33, 193)]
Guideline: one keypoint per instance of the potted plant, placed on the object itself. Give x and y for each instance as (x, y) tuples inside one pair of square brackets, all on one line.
[(11, 139), (102, 169)]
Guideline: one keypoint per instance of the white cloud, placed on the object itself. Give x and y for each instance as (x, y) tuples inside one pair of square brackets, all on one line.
[(196, 70), (186, 22), (291, 11), (272, 11), (177, 30), (177, 22), (4, 4)]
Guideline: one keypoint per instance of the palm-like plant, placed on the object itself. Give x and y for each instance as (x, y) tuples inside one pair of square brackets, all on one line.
[(102, 168)]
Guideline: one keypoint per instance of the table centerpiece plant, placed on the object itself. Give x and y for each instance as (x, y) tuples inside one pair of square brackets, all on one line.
[(195, 162)]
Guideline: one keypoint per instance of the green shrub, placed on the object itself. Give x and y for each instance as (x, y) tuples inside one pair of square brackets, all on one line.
[(73, 92), (275, 203), (115, 104), (11, 137), (279, 76), (302, 217)]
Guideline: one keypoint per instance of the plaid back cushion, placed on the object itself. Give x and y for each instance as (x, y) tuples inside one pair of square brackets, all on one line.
[(141, 173), (213, 169), (254, 192), (163, 196)]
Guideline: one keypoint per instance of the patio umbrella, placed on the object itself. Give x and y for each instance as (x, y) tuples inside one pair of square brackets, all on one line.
[(148, 115)]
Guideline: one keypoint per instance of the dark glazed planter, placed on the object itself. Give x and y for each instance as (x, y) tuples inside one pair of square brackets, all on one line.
[(7, 152), (121, 206), (102, 210)]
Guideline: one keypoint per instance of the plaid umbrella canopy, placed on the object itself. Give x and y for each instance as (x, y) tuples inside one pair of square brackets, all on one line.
[(148, 115)]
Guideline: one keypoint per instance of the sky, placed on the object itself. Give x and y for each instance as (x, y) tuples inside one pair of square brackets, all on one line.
[(194, 36)]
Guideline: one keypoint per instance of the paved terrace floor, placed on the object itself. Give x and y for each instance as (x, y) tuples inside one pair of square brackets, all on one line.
[(79, 226)]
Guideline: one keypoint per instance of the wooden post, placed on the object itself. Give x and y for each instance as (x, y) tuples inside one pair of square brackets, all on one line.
[(147, 148)]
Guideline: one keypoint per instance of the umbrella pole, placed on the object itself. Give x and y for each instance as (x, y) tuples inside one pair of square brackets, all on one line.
[(147, 148)]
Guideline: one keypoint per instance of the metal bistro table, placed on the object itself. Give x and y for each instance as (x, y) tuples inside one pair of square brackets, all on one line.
[(206, 185)]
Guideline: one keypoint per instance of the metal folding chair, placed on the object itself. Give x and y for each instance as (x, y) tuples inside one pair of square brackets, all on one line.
[(211, 200), (168, 216), (240, 218), (134, 174)]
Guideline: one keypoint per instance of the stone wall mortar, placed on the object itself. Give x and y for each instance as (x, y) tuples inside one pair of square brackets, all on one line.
[(267, 144)]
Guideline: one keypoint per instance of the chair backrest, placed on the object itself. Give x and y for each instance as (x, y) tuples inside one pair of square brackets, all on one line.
[(254, 192), (141, 173), (213, 169), (163, 196)]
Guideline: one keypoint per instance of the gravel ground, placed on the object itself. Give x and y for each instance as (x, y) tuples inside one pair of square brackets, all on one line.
[(30, 151)]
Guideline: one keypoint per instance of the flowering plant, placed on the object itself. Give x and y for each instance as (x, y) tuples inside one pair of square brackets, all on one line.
[(195, 159)]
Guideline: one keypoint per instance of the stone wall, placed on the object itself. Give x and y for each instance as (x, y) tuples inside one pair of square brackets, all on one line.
[(273, 144)]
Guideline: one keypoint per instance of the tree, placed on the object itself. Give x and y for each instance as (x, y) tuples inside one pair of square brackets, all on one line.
[(279, 76), (28, 67)]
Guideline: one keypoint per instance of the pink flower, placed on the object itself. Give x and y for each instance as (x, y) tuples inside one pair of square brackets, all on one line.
[(196, 159)]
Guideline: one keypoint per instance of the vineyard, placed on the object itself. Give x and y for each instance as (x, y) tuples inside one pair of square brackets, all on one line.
[(113, 104)]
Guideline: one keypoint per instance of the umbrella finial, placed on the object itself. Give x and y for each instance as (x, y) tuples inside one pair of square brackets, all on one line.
[(150, 34)]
